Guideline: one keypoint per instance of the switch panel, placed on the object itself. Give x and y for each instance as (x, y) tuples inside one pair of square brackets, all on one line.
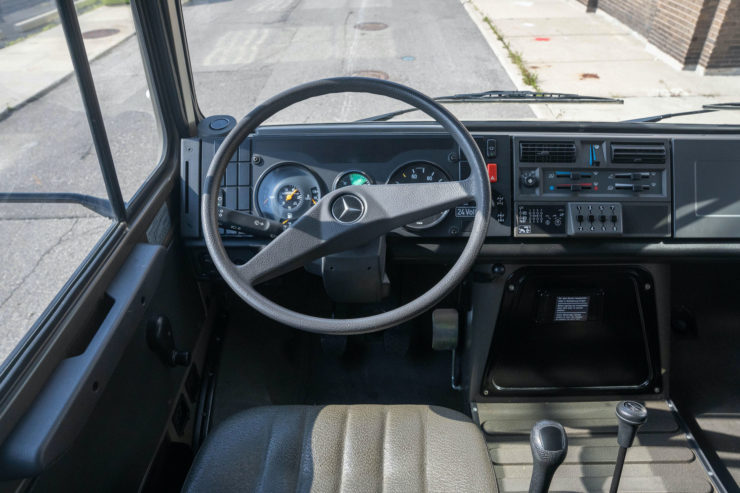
[(533, 220), (629, 177), (595, 218)]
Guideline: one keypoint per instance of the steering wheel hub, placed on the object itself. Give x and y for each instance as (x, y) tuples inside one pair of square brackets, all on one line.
[(347, 208)]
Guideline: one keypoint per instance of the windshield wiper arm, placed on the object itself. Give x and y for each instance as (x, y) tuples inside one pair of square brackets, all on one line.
[(527, 97), (707, 108)]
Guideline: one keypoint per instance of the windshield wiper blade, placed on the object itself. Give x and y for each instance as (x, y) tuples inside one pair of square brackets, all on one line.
[(526, 97), (707, 108), (722, 106), (529, 97)]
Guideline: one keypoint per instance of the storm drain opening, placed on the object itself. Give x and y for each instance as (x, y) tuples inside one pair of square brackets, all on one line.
[(371, 26), (374, 74)]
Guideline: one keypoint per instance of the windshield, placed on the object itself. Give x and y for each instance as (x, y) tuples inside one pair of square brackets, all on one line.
[(661, 59)]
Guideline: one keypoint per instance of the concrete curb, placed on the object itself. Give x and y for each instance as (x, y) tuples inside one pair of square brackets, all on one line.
[(540, 110), (40, 19), (6, 112)]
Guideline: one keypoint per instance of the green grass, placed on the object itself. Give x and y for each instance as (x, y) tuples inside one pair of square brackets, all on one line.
[(529, 77)]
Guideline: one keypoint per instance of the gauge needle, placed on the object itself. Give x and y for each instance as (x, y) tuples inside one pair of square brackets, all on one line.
[(290, 195), (313, 201), (286, 221)]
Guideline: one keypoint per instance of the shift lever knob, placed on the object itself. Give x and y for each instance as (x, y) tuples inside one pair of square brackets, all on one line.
[(549, 446), (631, 416)]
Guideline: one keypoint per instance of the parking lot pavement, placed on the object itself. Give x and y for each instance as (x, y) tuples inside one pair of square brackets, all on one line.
[(242, 53)]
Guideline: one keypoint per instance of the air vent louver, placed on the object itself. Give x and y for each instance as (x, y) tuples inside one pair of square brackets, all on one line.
[(547, 152), (638, 153)]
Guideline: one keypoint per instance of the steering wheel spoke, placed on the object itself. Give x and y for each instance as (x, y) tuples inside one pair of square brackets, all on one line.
[(351, 217)]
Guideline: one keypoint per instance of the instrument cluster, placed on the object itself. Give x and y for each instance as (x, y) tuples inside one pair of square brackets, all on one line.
[(289, 189)]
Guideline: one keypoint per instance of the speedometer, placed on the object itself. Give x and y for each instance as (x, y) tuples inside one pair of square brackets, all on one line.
[(421, 172)]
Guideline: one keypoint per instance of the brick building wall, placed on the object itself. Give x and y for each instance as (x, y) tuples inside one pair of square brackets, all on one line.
[(722, 47), (702, 33)]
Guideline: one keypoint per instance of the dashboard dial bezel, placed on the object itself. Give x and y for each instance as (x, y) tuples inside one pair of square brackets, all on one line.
[(344, 173), (444, 214), (307, 194)]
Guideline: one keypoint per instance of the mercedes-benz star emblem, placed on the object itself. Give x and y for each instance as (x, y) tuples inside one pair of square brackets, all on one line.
[(347, 208)]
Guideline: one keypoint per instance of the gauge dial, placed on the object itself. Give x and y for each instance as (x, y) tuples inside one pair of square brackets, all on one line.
[(286, 192), (290, 197), (421, 172), (349, 178)]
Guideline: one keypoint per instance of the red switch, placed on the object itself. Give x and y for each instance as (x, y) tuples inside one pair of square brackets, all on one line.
[(492, 172)]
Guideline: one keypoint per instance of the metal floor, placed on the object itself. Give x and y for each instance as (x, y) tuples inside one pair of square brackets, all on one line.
[(661, 460)]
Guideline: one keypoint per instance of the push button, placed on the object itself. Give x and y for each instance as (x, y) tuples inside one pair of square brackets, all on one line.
[(491, 148), (492, 172)]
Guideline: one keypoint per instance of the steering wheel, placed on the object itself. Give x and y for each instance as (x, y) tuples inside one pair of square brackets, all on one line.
[(348, 217)]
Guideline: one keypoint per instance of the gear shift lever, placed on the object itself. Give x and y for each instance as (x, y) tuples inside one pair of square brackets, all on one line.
[(549, 446), (631, 416)]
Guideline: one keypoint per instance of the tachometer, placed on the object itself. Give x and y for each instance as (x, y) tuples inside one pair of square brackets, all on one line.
[(349, 178), (421, 172)]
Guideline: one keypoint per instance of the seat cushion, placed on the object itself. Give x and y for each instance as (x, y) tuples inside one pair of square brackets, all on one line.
[(344, 449)]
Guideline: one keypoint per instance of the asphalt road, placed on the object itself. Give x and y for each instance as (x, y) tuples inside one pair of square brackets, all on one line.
[(242, 52)]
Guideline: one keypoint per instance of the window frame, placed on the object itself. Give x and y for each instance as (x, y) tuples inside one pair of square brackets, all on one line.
[(170, 110)]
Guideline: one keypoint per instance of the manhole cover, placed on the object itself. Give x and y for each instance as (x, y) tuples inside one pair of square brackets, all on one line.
[(375, 74), (99, 33), (371, 26)]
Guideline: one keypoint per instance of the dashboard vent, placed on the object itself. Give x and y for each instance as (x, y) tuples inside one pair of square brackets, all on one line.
[(547, 152), (638, 153)]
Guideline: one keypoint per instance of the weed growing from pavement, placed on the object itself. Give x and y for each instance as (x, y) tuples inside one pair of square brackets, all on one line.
[(529, 77)]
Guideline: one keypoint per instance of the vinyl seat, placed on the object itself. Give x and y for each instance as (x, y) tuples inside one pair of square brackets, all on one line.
[(353, 448)]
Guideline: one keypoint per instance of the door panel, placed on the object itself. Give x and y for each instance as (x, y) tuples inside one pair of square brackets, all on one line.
[(106, 439)]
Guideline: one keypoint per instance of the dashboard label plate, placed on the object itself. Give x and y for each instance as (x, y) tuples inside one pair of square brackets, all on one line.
[(571, 308), (465, 211)]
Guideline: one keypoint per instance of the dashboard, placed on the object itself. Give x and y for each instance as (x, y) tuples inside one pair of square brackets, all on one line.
[(570, 189)]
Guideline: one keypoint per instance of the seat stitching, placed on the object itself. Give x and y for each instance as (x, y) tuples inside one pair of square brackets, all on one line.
[(266, 455), (348, 410), (424, 411), (299, 479), (382, 450)]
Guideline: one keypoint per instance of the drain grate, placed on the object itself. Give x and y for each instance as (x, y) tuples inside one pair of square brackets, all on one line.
[(99, 33), (371, 26), (375, 74)]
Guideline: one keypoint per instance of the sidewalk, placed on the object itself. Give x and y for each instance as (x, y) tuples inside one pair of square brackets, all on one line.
[(594, 54), (31, 67)]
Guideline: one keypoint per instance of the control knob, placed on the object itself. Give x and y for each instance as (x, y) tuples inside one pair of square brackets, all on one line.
[(529, 180)]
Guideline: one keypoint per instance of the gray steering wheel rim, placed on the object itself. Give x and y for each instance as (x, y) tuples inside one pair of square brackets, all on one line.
[(247, 125)]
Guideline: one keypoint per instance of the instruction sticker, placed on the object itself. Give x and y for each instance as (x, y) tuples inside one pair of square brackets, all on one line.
[(571, 308)]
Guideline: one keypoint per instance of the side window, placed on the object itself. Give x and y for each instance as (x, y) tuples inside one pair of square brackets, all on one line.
[(54, 204)]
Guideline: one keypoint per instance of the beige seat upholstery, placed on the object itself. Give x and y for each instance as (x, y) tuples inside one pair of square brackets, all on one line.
[(344, 449)]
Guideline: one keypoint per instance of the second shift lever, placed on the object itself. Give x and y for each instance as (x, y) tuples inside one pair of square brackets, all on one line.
[(549, 446)]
